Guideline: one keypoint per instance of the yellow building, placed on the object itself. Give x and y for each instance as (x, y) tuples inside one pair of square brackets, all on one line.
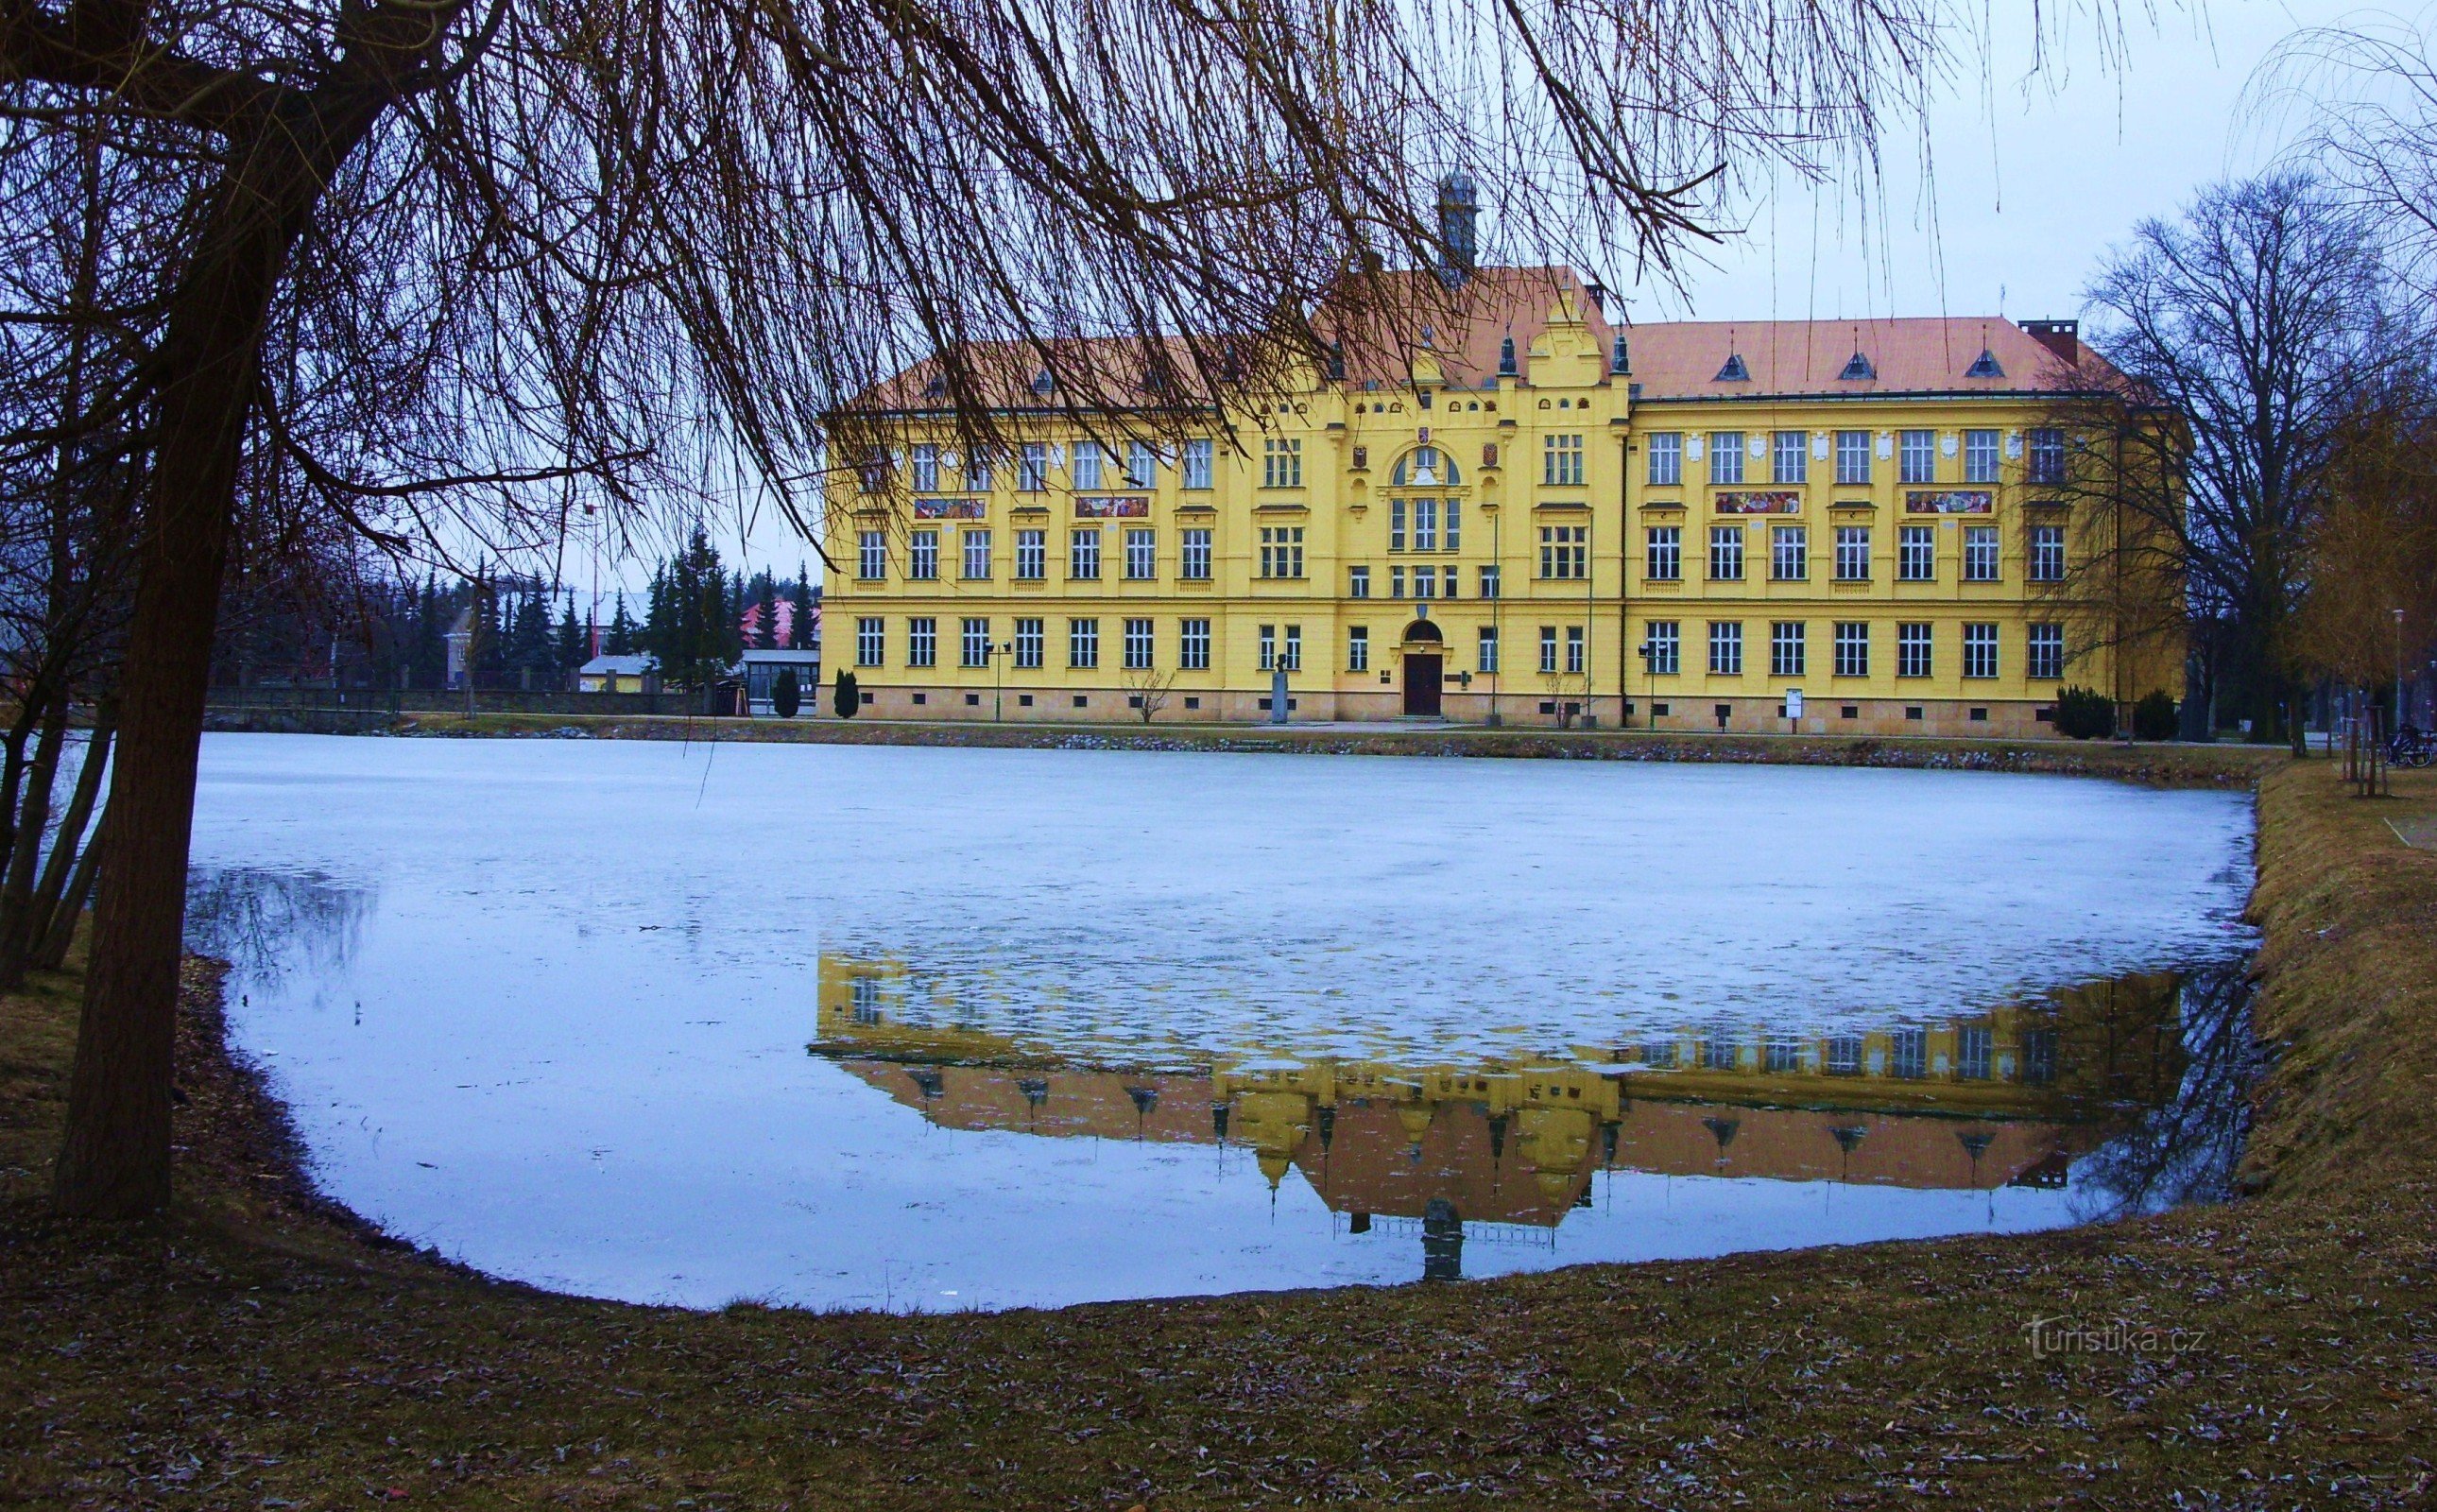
[(1531, 515)]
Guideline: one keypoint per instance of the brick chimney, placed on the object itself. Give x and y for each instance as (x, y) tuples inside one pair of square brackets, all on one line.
[(2062, 337)]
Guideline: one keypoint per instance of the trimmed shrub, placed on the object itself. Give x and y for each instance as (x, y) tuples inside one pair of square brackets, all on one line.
[(2153, 717), (2085, 715), (786, 696), (849, 701)]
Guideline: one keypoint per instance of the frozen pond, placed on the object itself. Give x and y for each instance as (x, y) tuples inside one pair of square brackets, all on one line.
[(873, 1026)]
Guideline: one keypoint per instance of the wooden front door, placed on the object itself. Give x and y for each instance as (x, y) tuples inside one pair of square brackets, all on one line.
[(1421, 683)]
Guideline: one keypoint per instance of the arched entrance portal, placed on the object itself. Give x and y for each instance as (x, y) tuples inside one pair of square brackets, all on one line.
[(1425, 666)]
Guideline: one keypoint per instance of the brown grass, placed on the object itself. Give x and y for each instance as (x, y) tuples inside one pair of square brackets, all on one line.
[(252, 1350)]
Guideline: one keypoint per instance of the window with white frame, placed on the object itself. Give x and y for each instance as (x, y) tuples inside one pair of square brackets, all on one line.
[(1485, 650), (1917, 553), (1141, 554), (1979, 456), (1453, 537), (1663, 642), (1083, 644), (1787, 648), (1193, 646), (1358, 648), (1577, 650), (1790, 460), (1138, 645), (977, 554), (1142, 464), (1727, 647), (1032, 467), (1663, 553), (1561, 461), (975, 644), (1565, 550), (1281, 462), (1908, 1054), (1282, 551), (2047, 455), (870, 640), (1449, 580), (977, 474), (1028, 644), (874, 471), (1193, 565), (1269, 648), (1395, 582), (1726, 553), (1726, 456), (922, 642), (2044, 653), (1666, 459), (1979, 554), (871, 556), (1086, 470), (1974, 1057), (924, 466), (1548, 648), (1290, 652), (1789, 553), (1357, 582), (1083, 555), (1852, 553), (923, 556), (1197, 463), (1912, 650), (1425, 583), (1031, 556), (1489, 582), (2047, 553), (1398, 512), (1425, 524), (1979, 650), (1854, 457), (1852, 648), (1917, 456)]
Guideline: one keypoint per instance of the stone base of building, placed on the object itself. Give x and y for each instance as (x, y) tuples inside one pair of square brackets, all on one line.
[(1945, 718)]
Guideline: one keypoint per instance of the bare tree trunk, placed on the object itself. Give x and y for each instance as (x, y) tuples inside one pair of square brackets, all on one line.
[(24, 855), (20, 945), (53, 952)]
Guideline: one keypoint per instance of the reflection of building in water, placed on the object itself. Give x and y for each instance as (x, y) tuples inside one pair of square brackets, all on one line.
[(2002, 1096)]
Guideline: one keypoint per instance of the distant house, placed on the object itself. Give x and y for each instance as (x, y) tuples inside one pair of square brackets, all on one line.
[(760, 669), (639, 673)]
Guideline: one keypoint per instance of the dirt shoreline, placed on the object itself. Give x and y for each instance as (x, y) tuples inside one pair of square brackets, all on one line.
[(258, 1348)]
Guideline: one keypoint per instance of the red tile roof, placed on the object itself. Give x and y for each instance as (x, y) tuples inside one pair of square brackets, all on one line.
[(1913, 355)]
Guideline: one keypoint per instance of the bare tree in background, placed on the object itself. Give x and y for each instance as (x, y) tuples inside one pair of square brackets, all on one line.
[(445, 271), (2372, 553)]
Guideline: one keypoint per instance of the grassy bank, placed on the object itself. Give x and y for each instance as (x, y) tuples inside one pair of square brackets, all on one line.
[(2173, 765), (255, 1350)]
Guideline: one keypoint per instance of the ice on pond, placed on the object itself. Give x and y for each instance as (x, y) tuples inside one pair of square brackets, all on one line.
[(1097, 1025)]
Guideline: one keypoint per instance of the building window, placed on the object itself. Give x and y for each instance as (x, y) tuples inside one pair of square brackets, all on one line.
[(1142, 554), (1142, 464), (1032, 467), (1979, 650), (1358, 648), (977, 555), (1194, 566), (1561, 461), (1790, 460), (1979, 554), (871, 556), (1662, 647), (1282, 551), (1084, 555), (1281, 462), (1086, 471), (1917, 457), (975, 644), (1454, 526), (922, 642), (1781, 1055), (1912, 650), (2047, 456), (1138, 647), (1786, 649), (1577, 650), (1844, 1055), (1489, 582), (1726, 553), (977, 474), (1031, 556), (1854, 457), (1664, 556), (1357, 582), (1425, 583), (1395, 582), (1979, 456), (2047, 553), (1917, 553), (1197, 465), (1396, 525), (1425, 524), (1193, 646), (923, 556), (1727, 647), (1725, 457), (1451, 580), (1789, 553), (1666, 459), (1268, 658), (1973, 1056), (1290, 655), (874, 471), (1083, 644), (1852, 553), (1486, 656), (925, 469), (1027, 644), (1565, 550), (1852, 648), (1909, 1056), (870, 640), (2046, 653), (1548, 648)]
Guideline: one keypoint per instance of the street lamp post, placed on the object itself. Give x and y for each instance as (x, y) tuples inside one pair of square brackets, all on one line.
[(999, 651), (2399, 720), (1649, 683)]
